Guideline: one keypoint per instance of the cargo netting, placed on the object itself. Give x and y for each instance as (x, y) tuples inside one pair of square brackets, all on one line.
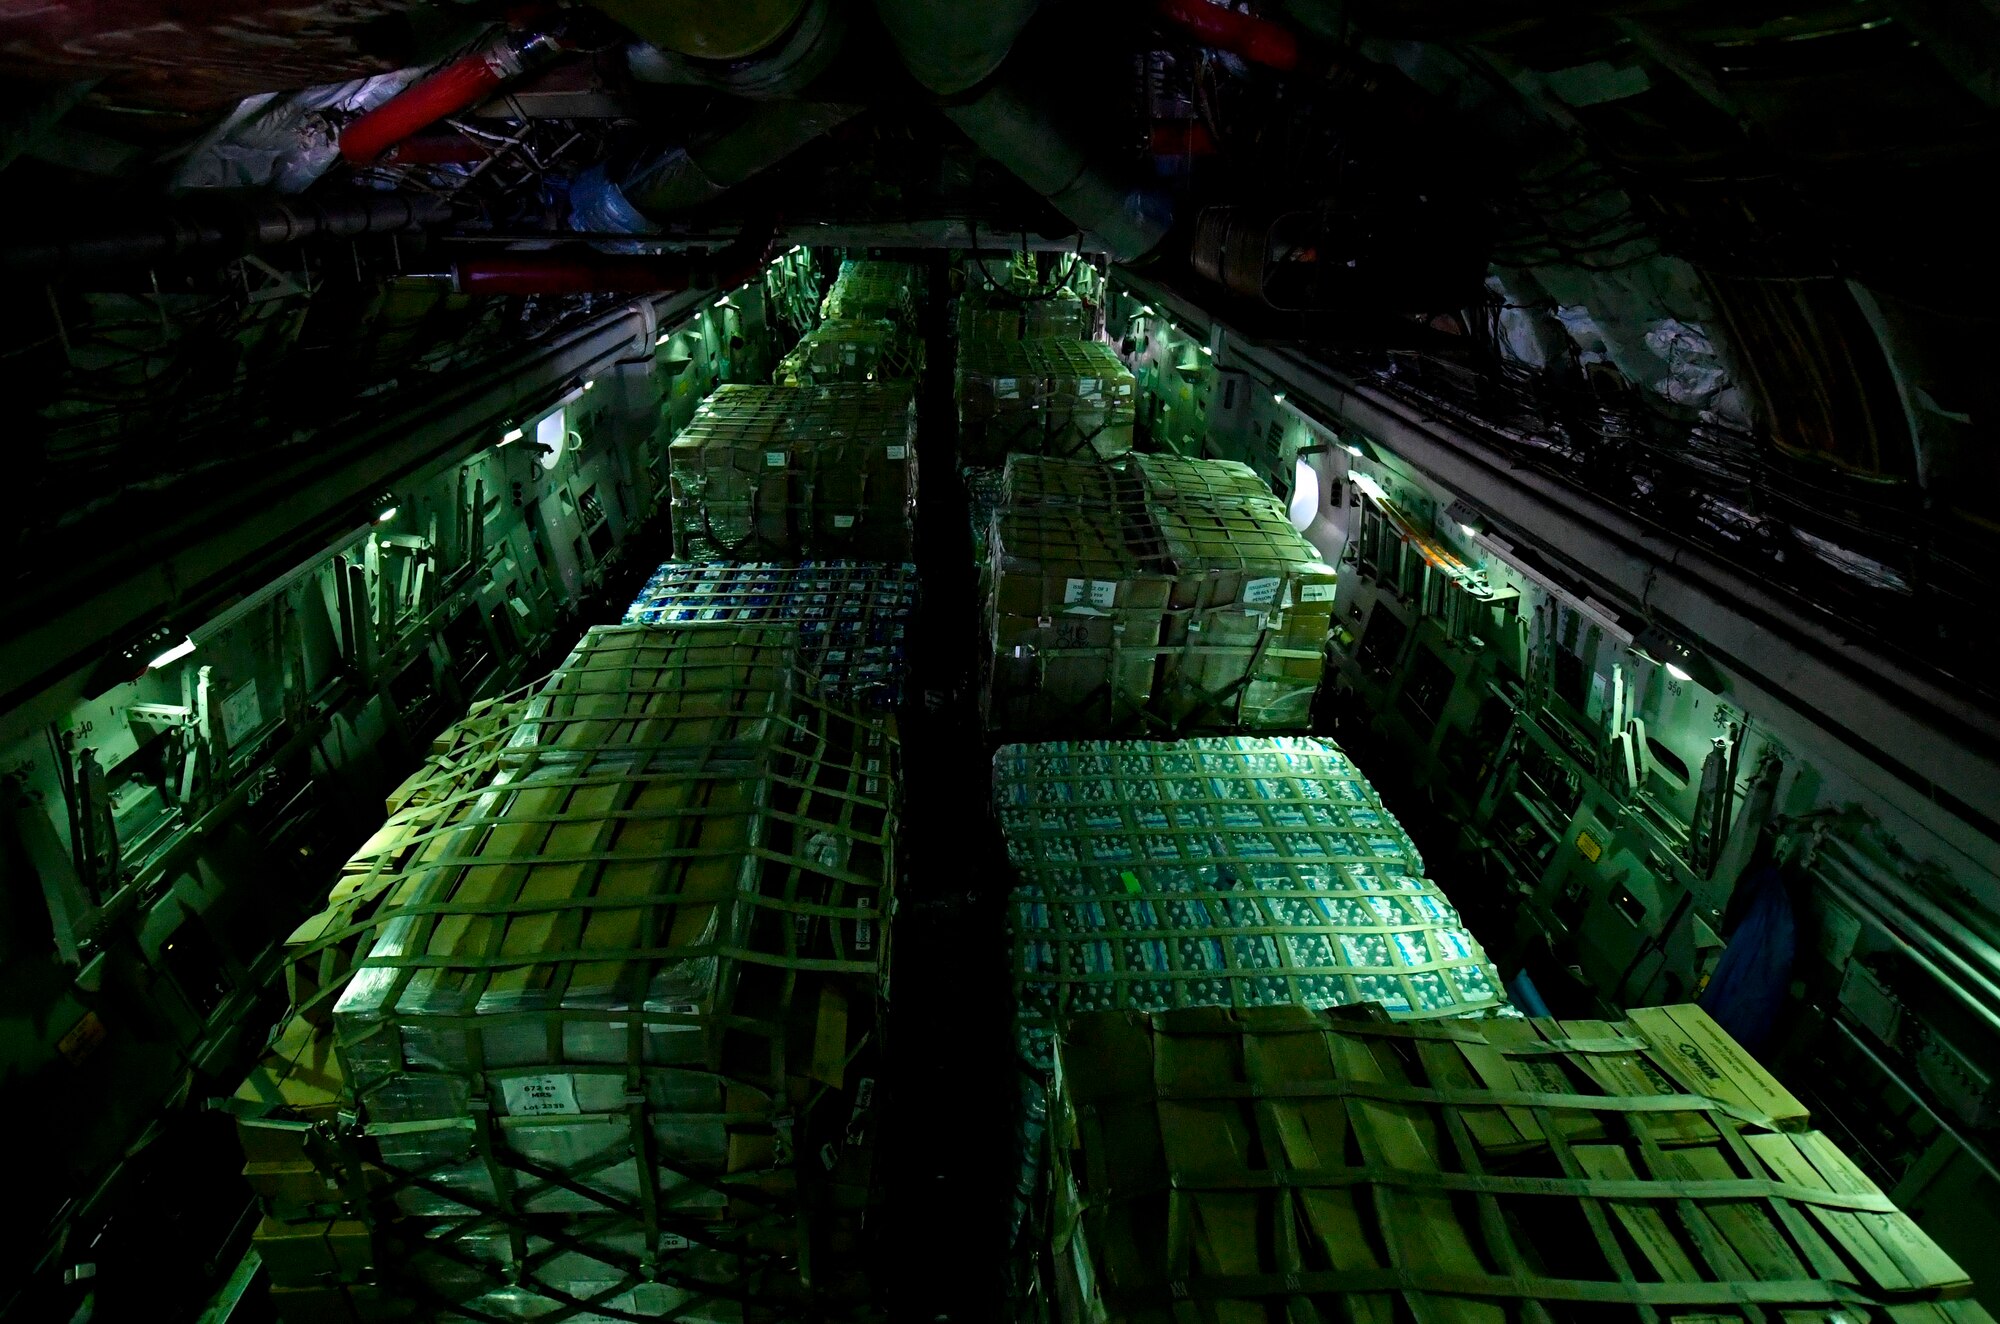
[(772, 472), (604, 997), (847, 350), (1151, 600), (870, 290), (1043, 397), (1277, 1164)]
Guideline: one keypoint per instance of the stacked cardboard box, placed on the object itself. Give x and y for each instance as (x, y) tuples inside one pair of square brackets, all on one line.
[(852, 617), (846, 350), (1042, 397), (1277, 1164), (999, 315), (868, 291), (784, 471), (606, 1018), (1171, 596)]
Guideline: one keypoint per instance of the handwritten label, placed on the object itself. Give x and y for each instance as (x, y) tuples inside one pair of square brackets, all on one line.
[(553, 1095)]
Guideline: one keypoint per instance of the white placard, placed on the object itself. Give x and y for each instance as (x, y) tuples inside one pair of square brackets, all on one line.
[(1316, 593), (775, 459), (898, 452), (241, 713), (1103, 592), (843, 521), (1006, 387), (1262, 592), (1074, 591), (553, 1095)]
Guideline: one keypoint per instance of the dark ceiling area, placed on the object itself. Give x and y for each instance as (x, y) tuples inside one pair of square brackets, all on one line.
[(1727, 265)]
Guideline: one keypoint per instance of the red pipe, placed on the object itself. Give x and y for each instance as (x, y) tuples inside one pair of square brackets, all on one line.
[(570, 273), (464, 82), (1255, 39), (586, 271), (1181, 138)]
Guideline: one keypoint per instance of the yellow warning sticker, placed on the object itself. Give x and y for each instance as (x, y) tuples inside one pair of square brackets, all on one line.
[(1590, 846)]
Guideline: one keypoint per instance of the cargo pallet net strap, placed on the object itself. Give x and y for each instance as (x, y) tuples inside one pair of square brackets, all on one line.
[(1227, 870), (660, 739), (1749, 1220)]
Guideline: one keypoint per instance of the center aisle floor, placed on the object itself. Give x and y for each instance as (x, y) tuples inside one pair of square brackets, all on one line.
[(947, 1138)]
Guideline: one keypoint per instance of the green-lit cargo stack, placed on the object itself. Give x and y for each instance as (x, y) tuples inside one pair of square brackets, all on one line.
[(847, 350), (1218, 871), (1042, 397), (869, 290), (1276, 1165), (1003, 315), (1168, 596), (768, 472), (606, 1019)]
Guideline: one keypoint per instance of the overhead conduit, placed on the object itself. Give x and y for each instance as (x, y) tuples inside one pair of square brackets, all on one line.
[(581, 270), (607, 199), (953, 48)]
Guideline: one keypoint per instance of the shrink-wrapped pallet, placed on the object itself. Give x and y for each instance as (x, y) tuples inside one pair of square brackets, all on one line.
[(852, 617), (786, 471)]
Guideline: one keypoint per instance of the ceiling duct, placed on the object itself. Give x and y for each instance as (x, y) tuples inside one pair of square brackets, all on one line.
[(953, 49)]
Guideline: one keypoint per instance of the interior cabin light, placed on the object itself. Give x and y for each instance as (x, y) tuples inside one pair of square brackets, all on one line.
[(1351, 449), (589, 382), (174, 654), (388, 513), (511, 435), (1304, 508), (1470, 522), (662, 338), (1278, 397)]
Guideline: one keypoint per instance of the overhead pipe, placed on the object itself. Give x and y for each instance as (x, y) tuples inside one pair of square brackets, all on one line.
[(1257, 40), (460, 85), (610, 199), (206, 229), (580, 270), (953, 49)]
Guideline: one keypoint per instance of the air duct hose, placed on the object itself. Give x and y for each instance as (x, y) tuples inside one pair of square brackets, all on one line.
[(606, 199), (954, 48)]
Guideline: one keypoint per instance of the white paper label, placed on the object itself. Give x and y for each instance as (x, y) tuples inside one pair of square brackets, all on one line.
[(674, 1241), (1262, 592), (1316, 593), (552, 1095), (1073, 591), (1089, 389), (775, 459), (1006, 387), (1103, 592), (864, 930), (241, 713), (870, 782), (843, 521), (897, 452)]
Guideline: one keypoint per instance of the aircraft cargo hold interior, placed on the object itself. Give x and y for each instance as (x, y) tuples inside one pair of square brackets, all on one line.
[(1211, 661)]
